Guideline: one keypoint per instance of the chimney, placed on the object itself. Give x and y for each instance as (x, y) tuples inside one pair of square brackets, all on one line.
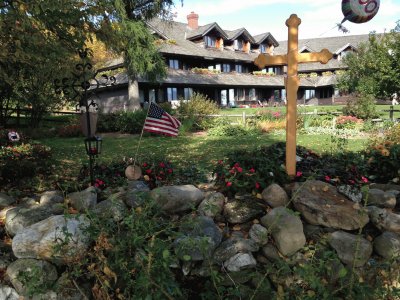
[(193, 20)]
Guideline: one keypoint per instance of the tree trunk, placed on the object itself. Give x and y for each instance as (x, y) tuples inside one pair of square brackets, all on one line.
[(133, 94)]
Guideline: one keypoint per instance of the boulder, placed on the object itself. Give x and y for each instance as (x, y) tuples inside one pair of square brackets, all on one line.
[(175, 199), (351, 249), (21, 217), (51, 197), (271, 252), (321, 204), (84, 200), (385, 187), (113, 207), (351, 192), (275, 196), (232, 246), (383, 219), (67, 290), (259, 234), (57, 239), (5, 200), (199, 239), (380, 198), (40, 275), (240, 262), (8, 293), (241, 211), (387, 245), (286, 229), (137, 193), (212, 205)]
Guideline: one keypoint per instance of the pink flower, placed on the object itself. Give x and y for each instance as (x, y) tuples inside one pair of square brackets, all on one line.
[(299, 174), (228, 184), (144, 165), (232, 171), (252, 170), (162, 165), (169, 171), (236, 165), (364, 179), (351, 181), (239, 169), (148, 171), (257, 185), (220, 162), (327, 178)]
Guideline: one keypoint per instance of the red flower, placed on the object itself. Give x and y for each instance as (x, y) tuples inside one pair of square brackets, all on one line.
[(148, 171), (162, 165), (220, 162), (228, 184), (299, 174), (257, 185), (144, 165), (252, 170), (364, 179), (169, 171), (239, 169), (232, 171), (161, 173), (236, 165), (327, 178), (352, 181)]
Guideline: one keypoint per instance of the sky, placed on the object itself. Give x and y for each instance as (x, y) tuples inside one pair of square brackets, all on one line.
[(319, 18)]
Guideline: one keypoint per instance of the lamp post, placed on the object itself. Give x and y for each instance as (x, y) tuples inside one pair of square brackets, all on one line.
[(81, 86)]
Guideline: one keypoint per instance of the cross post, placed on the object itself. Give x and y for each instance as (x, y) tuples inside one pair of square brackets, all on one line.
[(292, 81)]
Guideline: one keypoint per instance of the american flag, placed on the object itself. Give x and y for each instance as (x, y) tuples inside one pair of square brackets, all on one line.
[(161, 122)]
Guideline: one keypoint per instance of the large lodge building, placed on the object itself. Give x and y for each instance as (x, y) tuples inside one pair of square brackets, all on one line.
[(220, 64)]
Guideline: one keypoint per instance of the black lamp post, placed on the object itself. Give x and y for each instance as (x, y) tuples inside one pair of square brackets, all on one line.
[(82, 85)]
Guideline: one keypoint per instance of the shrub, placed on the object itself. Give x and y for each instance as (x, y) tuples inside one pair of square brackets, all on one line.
[(131, 121), (196, 109), (362, 107), (348, 122), (384, 161), (267, 125), (71, 130), (108, 122), (231, 130)]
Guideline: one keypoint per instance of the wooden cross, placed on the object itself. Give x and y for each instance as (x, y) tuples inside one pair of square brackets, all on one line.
[(292, 59)]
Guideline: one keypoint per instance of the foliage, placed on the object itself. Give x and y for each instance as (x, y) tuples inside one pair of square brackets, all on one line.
[(196, 109), (122, 121), (231, 130), (362, 107), (71, 129), (374, 68), (157, 173), (205, 71), (348, 122), (267, 125), (24, 160)]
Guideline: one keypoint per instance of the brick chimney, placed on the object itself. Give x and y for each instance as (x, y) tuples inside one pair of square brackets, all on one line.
[(193, 20)]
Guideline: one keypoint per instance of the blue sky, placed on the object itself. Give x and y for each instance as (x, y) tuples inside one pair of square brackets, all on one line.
[(258, 16)]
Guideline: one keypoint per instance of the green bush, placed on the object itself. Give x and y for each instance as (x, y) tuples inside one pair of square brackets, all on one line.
[(196, 109), (362, 107), (231, 130), (123, 121), (108, 122)]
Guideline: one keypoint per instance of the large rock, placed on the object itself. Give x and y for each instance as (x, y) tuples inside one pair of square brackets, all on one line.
[(113, 207), (51, 197), (137, 193), (351, 249), (5, 200), (82, 201), (232, 246), (384, 220), (351, 192), (240, 261), (321, 204), (199, 239), (286, 229), (380, 198), (241, 211), (57, 239), (8, 293), (259, 234), (174, 199), (387, 245), (275, 196), (212, 205), (40, 275), (21, 217)]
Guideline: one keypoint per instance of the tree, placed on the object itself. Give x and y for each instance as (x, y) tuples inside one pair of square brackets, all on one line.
[(374, 69), (39, 39)]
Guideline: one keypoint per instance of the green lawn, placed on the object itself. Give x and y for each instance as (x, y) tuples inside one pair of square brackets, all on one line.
[(69, 153)]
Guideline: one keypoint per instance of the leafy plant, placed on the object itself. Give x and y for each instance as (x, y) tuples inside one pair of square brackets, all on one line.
[(362, 107)]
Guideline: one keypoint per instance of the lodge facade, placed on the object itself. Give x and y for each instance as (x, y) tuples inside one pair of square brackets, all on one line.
[(220, 64)]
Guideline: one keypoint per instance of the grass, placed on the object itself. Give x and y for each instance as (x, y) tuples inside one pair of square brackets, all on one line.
[(202, 151)]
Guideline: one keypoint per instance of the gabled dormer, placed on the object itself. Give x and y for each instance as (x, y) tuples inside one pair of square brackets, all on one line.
[(240, 40), (211, 35), (265, 43), (305, 49), (343, 51)]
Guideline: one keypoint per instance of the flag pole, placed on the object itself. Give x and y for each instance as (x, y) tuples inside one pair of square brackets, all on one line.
[(140, 138)]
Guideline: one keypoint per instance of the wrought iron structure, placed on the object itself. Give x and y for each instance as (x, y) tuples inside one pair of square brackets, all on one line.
[(82, 86)]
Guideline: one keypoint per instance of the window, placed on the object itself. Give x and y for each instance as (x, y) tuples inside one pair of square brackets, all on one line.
[(238, 44), (152, 95), (226, 68), (263, 48), (241, 94), (210, 41), (187, 93), (309, 94), (173, 63), (218, 67), (172, 94), (252, 94), (238, 68)]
